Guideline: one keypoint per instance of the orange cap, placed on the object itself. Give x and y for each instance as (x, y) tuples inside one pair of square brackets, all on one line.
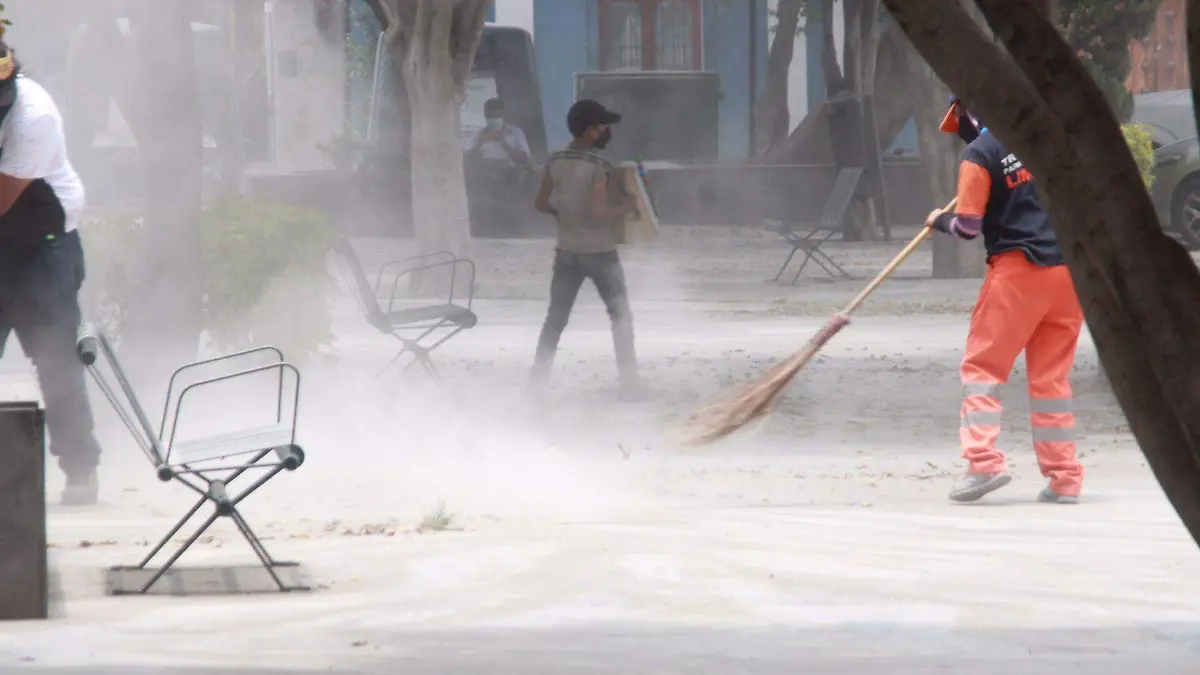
[(950, 121)]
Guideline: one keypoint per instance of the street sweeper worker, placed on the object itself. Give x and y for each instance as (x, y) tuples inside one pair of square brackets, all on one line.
[(1027, 303), (41, 268)]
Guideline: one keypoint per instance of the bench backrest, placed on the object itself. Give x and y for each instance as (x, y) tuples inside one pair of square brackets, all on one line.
[(356, 277), (92, 346), (840, 197)]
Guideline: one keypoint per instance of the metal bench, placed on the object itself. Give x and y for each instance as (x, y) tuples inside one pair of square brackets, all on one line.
[(206, 465), (809, 237), (421, 326)]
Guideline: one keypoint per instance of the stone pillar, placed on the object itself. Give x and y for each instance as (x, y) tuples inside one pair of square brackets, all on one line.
[(23, 575)]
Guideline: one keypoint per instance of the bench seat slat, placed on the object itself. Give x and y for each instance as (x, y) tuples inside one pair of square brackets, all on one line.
[(220, 446)]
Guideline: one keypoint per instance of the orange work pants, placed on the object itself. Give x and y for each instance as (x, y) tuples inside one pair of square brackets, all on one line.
[(1023, 307)]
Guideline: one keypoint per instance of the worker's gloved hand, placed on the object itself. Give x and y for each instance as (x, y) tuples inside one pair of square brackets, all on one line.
[(940, 220)]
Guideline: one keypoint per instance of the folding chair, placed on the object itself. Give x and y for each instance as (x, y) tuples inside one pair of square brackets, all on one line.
[(421, 326), (809, 237), (209, 465)]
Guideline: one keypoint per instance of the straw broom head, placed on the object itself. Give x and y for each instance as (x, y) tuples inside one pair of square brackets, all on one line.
[(755, 399), (758, 398)]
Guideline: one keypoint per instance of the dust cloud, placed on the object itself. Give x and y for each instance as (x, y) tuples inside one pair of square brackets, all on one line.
[(574, 508)]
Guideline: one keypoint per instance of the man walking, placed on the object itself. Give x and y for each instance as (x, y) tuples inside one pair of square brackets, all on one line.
[(578, 189), (41, 268), (1027, 303)]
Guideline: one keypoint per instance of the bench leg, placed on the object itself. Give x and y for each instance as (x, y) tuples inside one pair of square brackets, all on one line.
[(264, 557), (786, 262), (182, 549), (808, 256), (407, 347), (174, 530), (256, 544), (421, 356), (830, 266)]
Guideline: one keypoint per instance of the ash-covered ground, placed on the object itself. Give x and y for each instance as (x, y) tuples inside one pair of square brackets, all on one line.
[(583, 538)]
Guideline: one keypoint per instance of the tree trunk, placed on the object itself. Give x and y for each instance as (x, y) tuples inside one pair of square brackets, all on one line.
[(440, 218), (772, 121), (164, 323), (433, 42), (1139, 289)]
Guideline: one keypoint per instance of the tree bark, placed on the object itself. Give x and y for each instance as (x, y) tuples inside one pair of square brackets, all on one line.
[(1139, 289), (772, 122), (433, 42)]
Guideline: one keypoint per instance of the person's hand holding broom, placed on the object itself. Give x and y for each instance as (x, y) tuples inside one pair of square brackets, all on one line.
[(758, 398)]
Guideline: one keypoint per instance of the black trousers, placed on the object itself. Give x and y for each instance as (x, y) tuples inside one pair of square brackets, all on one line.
[(39, 301), (570, 271)]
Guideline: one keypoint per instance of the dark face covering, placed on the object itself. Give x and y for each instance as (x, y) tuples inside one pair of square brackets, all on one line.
[(967, 129), (602, 140)]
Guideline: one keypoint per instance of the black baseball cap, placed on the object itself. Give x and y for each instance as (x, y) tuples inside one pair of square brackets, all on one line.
[(586, 113)]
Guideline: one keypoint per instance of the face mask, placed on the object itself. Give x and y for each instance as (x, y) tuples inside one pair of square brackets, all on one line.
[(495, 123), (968, 128), (602, 140)]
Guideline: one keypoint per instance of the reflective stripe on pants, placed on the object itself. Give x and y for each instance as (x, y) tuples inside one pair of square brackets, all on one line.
[(1023, 307)]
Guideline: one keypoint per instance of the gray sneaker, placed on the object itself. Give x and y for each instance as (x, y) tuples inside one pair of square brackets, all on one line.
[(1048, 496), (81, 492), (975, 485)]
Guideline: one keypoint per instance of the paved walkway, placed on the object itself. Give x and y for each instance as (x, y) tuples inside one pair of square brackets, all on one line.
[(585, 540)]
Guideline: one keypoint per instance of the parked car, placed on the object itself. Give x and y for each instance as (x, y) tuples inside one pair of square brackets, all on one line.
[(1167, 115), (1176, 190)]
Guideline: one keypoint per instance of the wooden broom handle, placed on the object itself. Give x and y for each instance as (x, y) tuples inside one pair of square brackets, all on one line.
[(891, 267)]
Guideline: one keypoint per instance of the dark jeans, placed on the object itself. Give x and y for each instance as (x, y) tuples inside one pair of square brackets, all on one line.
[(39, 301), (570, 270)]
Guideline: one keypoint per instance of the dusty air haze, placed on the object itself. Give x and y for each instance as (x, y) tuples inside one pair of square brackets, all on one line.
[(579, 535)]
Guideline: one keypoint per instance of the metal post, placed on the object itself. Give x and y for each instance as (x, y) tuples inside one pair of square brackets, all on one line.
[(24, 584)]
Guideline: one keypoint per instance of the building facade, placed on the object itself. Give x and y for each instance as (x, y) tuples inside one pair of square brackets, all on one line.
[(727, 37)]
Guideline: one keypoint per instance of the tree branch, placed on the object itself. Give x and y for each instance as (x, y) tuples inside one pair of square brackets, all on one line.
[(1065, 85), (872, 35), (852, 47), (834, 81), (429, 35), (465, 36), (945, 35), (397, 18)]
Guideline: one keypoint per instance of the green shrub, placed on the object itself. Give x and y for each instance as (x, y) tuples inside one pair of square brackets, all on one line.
[(263, 268), (1140, 144)]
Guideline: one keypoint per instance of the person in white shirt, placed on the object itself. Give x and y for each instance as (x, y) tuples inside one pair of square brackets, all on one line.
[(499, 141), (41, 268)]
